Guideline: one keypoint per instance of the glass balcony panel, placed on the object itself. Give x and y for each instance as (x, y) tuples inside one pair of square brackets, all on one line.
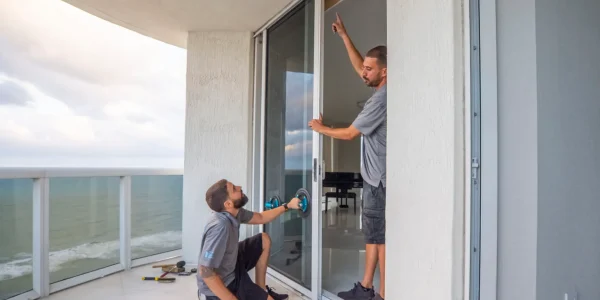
[(84, 225), (156, 214), (16, 215)]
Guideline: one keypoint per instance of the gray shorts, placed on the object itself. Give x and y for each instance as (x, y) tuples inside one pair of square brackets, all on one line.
[(373, 213)]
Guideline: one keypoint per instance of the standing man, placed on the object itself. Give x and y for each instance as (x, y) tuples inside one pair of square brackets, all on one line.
[(224, 263), (372, 124)]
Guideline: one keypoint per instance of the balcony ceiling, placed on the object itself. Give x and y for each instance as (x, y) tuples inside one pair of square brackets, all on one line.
[(170, 20)]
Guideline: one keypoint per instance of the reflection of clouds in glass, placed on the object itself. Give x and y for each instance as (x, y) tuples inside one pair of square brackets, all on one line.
[(296, 136), (298, 151), (299, 100), (298, 111)]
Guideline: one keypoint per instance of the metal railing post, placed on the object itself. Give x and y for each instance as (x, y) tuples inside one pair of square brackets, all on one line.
[(125, 221), (41, 232)]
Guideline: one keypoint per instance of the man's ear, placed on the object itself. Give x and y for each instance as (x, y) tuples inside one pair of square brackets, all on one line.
[(384, 72)]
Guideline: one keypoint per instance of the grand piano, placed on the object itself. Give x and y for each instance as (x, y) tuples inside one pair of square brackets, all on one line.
[(342, 182)]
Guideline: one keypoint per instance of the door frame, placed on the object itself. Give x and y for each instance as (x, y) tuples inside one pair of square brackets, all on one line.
[(484, 217), (318, 161), (473, 149), (481, 73), (258, 141)]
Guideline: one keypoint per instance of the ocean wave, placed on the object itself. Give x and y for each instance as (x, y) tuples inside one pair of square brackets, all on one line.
[(14, 269), (20, 264), (156, 240)]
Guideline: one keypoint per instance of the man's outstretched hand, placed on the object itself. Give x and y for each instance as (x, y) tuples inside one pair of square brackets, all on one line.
[(338, 25), (294, 203)]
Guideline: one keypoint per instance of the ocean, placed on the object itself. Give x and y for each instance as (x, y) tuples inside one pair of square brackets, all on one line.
[(84, 225)]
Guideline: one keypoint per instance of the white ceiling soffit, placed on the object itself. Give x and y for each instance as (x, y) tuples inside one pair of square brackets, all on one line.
[(170, 20)]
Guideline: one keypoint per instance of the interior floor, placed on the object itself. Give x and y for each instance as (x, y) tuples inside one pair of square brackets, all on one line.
[(343, 250), (343, 247)]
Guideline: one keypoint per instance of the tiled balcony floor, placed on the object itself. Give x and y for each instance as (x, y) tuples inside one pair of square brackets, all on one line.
[(129, 285)]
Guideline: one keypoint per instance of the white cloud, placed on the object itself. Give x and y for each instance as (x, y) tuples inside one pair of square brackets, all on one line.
[(85, 90), (62, 37), (12, 130)]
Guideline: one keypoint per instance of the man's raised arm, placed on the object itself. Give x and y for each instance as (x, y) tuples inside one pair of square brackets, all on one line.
[(355, 58)]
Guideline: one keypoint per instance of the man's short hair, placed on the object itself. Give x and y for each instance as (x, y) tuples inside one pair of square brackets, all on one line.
[(380, 53), (216, 195)]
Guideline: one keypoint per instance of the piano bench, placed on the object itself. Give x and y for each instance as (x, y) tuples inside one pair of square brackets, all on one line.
[(340, 196)]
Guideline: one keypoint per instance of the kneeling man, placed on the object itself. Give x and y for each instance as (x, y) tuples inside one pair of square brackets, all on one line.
[(224, 263)]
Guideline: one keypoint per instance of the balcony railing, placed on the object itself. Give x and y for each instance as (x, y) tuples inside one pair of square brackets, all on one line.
[(63, 227)]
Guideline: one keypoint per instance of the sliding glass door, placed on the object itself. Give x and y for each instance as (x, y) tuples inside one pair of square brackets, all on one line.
[(290, 151), (288, 141)]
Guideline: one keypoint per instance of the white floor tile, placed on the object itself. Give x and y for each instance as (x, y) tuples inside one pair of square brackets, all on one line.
[(128, 285)]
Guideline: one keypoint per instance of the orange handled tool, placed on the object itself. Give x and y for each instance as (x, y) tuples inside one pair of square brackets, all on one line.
[(158, 278)]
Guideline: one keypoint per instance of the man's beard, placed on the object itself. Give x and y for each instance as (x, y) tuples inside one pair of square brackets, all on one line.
[(373, 83), (239, 203)]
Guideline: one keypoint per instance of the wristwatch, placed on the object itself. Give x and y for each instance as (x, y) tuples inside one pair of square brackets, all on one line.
[(285, 206)]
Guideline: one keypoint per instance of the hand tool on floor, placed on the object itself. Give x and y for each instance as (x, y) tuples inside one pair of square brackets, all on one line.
[(167, 272), (159, 279), (172, 268)]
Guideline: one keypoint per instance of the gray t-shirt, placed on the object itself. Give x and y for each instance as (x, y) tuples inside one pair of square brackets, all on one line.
[(372, 123), (220, 246)]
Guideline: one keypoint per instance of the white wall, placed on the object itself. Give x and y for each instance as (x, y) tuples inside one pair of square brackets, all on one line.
[(568, 77), (217, 123), (517, 143), (347, 155), (425, 256)]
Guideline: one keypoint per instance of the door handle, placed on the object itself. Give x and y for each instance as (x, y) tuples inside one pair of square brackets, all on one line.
[(315, 170)]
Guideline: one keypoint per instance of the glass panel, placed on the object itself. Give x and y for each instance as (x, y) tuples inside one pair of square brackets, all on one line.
[(156, 207), (288, 139), (16, 236), (84, 225)]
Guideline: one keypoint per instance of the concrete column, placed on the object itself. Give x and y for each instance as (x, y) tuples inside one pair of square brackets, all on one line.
[(425, 171), (218, 123)]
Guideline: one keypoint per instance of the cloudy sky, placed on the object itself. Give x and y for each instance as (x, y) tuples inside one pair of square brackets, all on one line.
[(78, 91)]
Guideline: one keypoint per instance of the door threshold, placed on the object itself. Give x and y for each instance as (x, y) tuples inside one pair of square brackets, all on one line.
[(288, 283), (294, 287)]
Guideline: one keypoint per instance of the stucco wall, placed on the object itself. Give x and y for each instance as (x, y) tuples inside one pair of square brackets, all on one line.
[(218, 116), (426, 149)]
